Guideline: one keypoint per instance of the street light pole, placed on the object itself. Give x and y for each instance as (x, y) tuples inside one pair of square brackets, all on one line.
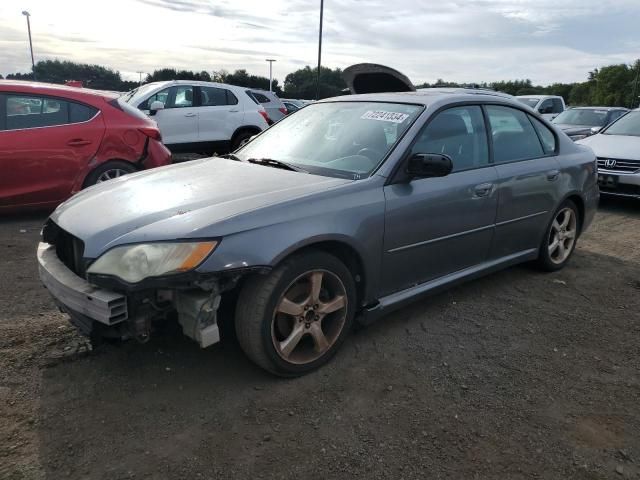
[(270, 60), (319, 51), (33, 63), (140, 81)]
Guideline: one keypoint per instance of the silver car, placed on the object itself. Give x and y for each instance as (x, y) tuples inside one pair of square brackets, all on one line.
[(341, 212), (618, 150)]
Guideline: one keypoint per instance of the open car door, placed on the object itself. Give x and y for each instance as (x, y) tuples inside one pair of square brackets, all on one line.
[(374, 78)]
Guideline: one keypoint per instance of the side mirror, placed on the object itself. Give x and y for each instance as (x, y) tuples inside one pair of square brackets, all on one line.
[(595, 130), (422, 165), (155, 106)]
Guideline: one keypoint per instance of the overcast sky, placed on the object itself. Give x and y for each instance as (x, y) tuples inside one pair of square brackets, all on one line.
[(458, 40)]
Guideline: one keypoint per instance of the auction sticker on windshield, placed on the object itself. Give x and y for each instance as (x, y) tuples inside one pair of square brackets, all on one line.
[(383, 116)]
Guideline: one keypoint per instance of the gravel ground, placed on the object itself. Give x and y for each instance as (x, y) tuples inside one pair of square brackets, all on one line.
[(517, 375)]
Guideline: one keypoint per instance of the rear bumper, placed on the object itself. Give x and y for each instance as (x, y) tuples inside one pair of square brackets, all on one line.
[(157, 155), (76, 296)]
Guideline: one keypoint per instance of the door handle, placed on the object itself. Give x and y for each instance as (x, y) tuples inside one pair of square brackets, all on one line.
[(234, 111), (553, 175), (189, 114), (483, 189), (78, 142)]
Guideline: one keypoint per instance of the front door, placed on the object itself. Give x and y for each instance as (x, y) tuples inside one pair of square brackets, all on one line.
[(178, 121), (437, 226), (46, 143)]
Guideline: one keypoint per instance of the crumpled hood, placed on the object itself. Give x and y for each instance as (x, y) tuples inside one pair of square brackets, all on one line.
[(614, 146), (180, 201)]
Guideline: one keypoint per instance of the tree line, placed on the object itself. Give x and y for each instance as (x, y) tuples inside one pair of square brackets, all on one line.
[(612, 85)]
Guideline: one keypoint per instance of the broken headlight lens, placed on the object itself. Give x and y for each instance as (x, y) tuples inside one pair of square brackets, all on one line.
[(133, 263)]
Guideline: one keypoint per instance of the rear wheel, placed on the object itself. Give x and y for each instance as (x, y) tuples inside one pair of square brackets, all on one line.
[(293, 320), (561, 237), (108, 171)]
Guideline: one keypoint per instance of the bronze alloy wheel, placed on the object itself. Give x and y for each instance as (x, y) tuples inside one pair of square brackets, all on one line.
[(309, 317), (562, 236)]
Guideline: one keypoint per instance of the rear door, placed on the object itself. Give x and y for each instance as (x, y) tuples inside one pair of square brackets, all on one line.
[(437, 226), (178, 121), (46, 143), (524, 153), (219, 114)]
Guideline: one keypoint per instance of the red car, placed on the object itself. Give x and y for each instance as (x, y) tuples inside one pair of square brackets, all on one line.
[(56, 140)]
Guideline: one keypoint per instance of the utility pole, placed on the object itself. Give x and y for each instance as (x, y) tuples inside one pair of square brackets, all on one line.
[(140, 80), (270, 60), (319, 51), (33, 63)]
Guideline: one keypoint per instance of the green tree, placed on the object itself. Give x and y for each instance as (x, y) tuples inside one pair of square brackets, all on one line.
[(56, 71), (302, 83), (242, 78), (165, 74)]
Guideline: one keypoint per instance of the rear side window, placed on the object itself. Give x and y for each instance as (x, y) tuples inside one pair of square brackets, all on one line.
[(547, 137), (252, 97), (514, 137), (212, 96), (30, 111), (261, 98), (80, 113)]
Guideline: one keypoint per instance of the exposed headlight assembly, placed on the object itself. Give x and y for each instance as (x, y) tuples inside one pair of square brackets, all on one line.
[(133, 263)]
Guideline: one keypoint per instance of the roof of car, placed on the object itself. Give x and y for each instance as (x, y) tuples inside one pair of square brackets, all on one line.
[(54, 89), (425, 96), (195, 82), (599, 108)]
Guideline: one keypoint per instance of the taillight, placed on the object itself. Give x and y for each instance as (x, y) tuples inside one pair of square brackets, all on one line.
[(265, 115), (283, 110), (151, 133)]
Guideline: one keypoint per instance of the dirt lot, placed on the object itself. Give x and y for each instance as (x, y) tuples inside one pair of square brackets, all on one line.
[(518, 375)]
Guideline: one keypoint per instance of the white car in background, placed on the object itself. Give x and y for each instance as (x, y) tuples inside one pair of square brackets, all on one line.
[(549, 106), (198, 116), (272, 104)]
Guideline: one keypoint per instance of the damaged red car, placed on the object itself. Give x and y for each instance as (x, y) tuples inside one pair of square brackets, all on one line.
[(56, 140)]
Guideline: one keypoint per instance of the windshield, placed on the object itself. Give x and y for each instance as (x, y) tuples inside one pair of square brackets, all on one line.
[(591, 117), (134, 96), (531, 102), (341, 139), (626, 125)]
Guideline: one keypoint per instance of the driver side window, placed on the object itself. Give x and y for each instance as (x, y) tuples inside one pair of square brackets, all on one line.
[(458, 132)]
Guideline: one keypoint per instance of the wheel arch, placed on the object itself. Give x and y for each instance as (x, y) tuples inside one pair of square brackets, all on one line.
[(93, 167), (577, 198)]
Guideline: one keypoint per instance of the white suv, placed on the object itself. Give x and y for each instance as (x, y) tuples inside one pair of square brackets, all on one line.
[(200, 116), (549, 106)]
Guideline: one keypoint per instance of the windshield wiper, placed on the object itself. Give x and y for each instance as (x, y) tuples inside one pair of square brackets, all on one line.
[(276, 163), (230, 156)]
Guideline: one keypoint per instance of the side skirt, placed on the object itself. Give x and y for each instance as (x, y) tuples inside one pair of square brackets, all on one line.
[(399, 299)]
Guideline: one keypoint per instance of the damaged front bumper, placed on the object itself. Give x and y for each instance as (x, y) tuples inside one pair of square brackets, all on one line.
[(96, 311)]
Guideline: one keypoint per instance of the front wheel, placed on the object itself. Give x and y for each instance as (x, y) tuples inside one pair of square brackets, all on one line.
[(293, 320), (560, 239)]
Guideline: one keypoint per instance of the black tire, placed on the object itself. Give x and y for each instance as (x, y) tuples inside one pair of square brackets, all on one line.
[(112, 165), (256, 315), (240, 139), (545, 260)]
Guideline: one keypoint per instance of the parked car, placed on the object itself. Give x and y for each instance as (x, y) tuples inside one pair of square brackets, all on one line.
[(352, 206), (270, 101), (581, 122), (290, 106), (201, 116), (56, 140), (617, 147), (549, 106)]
